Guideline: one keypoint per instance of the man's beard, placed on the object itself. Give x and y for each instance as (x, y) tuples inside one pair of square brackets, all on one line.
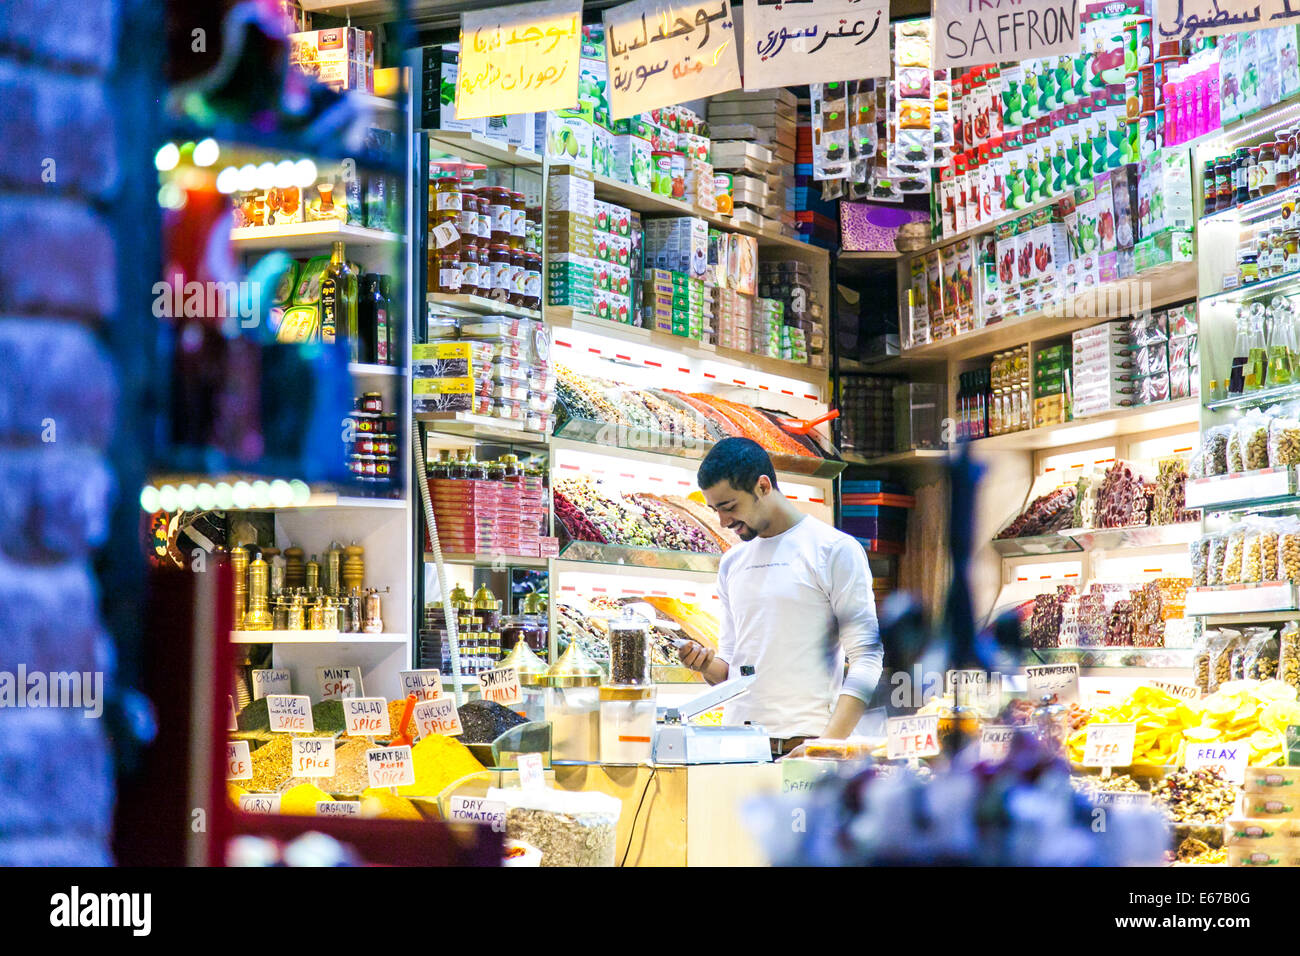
[(746, 533)]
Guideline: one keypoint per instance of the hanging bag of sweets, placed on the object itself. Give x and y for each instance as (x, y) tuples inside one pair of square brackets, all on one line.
[(1288, 659), (1218, 551), (1288, 547), (1199, 552), (1261, 655), (1221, 658)]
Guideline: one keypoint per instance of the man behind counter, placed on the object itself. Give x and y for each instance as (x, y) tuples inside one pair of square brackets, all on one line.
[(796, 602)]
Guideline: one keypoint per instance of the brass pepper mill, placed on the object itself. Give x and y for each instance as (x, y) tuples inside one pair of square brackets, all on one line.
[(239, 567), (257, 618), (316, 617), (273, 561), (295, 572), (334, 571), (374, 619), (296, 620), (354, 567), (313, 574), (280, 611), (356, 611)]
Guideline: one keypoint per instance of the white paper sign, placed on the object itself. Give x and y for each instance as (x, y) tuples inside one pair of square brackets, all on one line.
[(437, 717), (259, 802), (289, 713), (1177, 689), (390, 767), (313, 756), (1229, 759), (339, 682), (1047, 679), (477, 810), (967, 32), (271, 681), (995, 742), (661, 53), (1184, 19), (913, 737), (1104, 798), (501, 686), (425, 684), (791, 42), (531, 776), (338, 808), (519, 58), (239, 762), (1109, 745), (233, 723), (365, 717)]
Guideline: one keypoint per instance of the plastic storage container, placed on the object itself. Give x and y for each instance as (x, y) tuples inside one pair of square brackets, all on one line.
[(919, 412), (627, 724), (629, 649), (573, 706)]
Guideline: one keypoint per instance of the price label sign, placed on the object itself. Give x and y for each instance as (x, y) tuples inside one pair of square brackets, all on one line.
[(338, 808), (233, 723), (271, 681), (531, 776), (1104, 799), (239, 763), (437, 717), (1228, 759), (1177, 689), (519, 58), (366, 717), (424, 684), (1047, 679), (290, 713), (313, 756), (501, 686), (390, 766), (259, 802), (1109, 745), (477, 810), (913, 737), (995, 742), (339, 682), (814, 41)]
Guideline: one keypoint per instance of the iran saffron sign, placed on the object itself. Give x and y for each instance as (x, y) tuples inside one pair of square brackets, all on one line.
[(995, 31)]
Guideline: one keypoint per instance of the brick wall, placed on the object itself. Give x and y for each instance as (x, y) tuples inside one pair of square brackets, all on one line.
[(59, 172)]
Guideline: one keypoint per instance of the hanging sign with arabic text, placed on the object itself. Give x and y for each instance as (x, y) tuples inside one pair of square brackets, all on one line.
[(519, 59), (663, 53), (791, 42), (1184, 19)]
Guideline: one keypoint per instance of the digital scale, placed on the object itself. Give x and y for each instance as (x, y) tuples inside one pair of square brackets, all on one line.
[(677, 742)]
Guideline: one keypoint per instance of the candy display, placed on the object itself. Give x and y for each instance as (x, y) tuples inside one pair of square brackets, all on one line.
[(1045, 514), (639, 519), (1195, 796)]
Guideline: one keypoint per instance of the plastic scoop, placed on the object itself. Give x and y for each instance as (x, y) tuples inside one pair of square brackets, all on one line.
[(797, 426), (402, 738)]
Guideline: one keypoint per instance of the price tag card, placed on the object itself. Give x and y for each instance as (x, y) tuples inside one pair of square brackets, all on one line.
[(339, 682), (1177, 689), (271, 681), (338, 808), (531, 776), (437, 717), (290, 713), (501, 686), (477, 810), (313, 756), (259, 802), (1109, 745), (974, 681), (1104, 799), (424, 684), (366, 717), (995, 742), (390, 766), (913, 737), (1047, 679), (1229, 759), (234, 720), (239, 762), (444, 234)]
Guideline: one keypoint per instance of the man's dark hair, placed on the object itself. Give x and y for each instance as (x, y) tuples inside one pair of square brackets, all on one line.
[(737, 460)]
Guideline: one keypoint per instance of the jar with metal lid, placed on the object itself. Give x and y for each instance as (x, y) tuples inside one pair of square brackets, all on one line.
[(1267, 168), (500, 214), (1291, 250), (629, 649), (518, 276), (1223, 183), (467, 222), (1208, 190), (502, 271), (573, 706), (372, 401), (1247, 267), (532, 280), (1051, 724), (518, 220), (469, 265), (1282, 146), (446, 192)]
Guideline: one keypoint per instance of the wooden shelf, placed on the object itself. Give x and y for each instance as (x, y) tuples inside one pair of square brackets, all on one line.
[(480, 428), (313, 637), (468, 145), (916, 458), (309, 235), (566, 317), (1124, 421), (481, 305), (1152, 289)]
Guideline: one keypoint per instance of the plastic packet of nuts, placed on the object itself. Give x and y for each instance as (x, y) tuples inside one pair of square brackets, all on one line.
[(1252, 437), (1232, 556), (1214, 449), (1261, 654), (1284, 439), (1221, 658), (1218, 550)]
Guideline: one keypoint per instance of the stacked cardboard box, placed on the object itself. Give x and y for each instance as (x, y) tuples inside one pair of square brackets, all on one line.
[(343, 58), (571, 239), (766, 122), (613, 267), (1103, 377)]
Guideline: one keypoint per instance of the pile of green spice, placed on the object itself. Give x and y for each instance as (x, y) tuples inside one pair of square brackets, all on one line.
[(484, 721), (327, 717), (254, 717)]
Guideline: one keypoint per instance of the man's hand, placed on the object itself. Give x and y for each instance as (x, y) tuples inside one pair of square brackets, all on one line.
[(695, 656)]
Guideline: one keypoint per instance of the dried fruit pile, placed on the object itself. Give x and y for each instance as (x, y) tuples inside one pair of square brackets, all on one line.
[(590, 512), (1045, 514)]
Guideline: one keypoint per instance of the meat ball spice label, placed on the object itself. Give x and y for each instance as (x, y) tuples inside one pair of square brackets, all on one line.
[(437, 717), (239, 762), (989, 31), (501, 686), (390, 766), (366, 717), (313, 756), (289, 713), (913, 737)]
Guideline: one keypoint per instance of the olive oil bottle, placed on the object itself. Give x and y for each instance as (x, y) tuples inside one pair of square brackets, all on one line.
[(338, 302)]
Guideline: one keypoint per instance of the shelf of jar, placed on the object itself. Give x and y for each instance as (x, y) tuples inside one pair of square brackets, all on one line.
[(563, 316), (585, 435), (1241, 599), (475, 147), (1278, 285), (1260, 398), (1110, 657), (481, 305), (1152, 289), (309, 235), (1253, 208), (1242, 490), (487, 560), (625, 555), (368, 370), (314, 637), (480, 428), (1122, 421)]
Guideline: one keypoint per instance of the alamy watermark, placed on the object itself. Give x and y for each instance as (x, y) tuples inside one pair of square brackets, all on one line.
[(179, 299), (1113, 300), (66, 690)]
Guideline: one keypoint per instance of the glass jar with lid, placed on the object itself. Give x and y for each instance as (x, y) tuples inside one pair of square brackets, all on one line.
[(1253, 173), (532, 280), (1282, 169), (446, 192), (469, 264), (499, 213), (532, 674), (1267, 168), (518, 276), (502, 271), (629, 649), (1051, 724), (518, 220), (573, 706), (1225, 192)]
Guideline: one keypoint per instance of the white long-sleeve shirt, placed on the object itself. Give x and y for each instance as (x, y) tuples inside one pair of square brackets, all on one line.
[(794, 607)]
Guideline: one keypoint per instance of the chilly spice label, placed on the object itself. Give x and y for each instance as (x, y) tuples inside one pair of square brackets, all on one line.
[(501, 686), (390, 767), (425, 684)]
